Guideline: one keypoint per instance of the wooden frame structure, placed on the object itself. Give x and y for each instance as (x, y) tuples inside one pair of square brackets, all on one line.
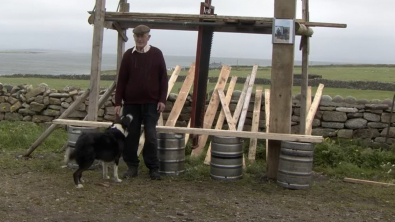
[(282, 65)]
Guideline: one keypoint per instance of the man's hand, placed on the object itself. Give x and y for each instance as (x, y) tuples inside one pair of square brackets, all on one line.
[(161, 107), (117, 110)]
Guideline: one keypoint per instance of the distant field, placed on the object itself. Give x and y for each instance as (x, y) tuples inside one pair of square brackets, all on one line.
[(345, 73)]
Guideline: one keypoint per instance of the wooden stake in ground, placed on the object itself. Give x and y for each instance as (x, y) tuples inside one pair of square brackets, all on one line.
[(221, 116), (313, 109), (255, 123), (212, 109), (51, 128)]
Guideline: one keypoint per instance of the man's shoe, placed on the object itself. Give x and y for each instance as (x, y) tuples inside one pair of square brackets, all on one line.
[(154, 174), (131, 172)]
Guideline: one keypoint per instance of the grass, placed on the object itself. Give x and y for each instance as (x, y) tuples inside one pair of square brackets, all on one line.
[(335, 158), (345, 73)]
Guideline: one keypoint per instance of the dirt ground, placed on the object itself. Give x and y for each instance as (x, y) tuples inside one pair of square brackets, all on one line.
[(40, 190)]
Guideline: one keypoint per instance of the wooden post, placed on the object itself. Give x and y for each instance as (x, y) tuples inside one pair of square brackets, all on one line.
[(255, 123), (123, 7), (267, 117), (281, 87), (97, 46), (304, 45), (51, 128)]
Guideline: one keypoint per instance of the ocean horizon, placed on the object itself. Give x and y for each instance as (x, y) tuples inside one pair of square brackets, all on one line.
[(74, 63)]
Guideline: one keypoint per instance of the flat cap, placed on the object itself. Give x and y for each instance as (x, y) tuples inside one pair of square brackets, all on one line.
[(141, 29)]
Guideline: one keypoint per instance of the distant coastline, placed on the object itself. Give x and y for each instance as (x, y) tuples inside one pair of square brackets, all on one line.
[(20, 51)]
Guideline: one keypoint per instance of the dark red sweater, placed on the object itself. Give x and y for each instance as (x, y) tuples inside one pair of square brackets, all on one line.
[(142, 78)]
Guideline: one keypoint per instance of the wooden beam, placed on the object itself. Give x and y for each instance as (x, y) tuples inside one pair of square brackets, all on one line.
[(181, 98), (255, 123), (281, 87), (267, 117), (221, 116), (200, 131), (246, 103), (171, 82), (225, 108), (121, 31), (52, 127), (212, 108), (240, 102), (352, 180), (112, 16), (97, 46), (304, 46), (313, 109)]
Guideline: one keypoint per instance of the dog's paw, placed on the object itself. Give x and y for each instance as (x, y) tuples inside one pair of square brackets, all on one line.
[(79, 186), (106, 177), (117, 180)]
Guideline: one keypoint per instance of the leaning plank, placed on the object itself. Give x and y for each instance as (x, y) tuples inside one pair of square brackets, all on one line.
[(255, 122), (200, 131), (221, 116), (240, 103), (171, 82), (52, 127), (247, 98), (225, 108), (181, 98), (267, 116), (313, 109), (212, 109), (352, 180)]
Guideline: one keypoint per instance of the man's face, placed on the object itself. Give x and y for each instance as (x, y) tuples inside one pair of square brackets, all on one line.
[(141, 40)]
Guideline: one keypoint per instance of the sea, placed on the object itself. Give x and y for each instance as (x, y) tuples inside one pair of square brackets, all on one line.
[(73, 63)]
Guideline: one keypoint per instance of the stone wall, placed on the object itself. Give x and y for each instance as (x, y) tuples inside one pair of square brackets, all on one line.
[(336, 117)]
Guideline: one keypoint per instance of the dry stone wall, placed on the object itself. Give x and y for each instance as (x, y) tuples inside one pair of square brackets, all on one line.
[(336, 117)]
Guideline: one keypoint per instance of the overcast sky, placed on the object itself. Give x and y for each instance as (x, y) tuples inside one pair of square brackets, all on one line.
[(62, 25)]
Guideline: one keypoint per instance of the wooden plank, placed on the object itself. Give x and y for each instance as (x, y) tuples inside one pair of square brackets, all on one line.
[(212, 109), (313, 108), (281, 87), (225, 108), (181, 98), (247, 98), (187, 134), (172, 80), (52, 127), (200, 131), (110, 16), (221, 116), (304, 46), (97, 46), (240, 102), (255, 123), (352, 180), (121, 32), (267, 117), (308, 106)]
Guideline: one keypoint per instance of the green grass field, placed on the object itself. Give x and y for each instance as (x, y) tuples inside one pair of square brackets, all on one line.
[(344, 73)]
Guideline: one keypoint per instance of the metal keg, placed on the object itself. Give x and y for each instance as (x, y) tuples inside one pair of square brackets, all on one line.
[(226, 158), (295, 165), (74, 133), (171, 153)]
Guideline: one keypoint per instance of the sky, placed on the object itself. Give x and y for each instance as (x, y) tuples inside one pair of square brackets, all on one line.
[(62, 25)]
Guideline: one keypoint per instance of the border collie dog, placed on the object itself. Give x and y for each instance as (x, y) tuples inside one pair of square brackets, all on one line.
[(106, 146)]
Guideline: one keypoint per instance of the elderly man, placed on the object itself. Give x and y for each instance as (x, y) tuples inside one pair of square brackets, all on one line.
[(142, 89)]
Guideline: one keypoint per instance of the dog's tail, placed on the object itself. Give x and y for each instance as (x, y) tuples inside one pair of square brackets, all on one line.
[(68, 155)]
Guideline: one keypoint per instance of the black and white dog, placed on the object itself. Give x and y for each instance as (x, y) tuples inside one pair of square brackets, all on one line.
[(106, 146)]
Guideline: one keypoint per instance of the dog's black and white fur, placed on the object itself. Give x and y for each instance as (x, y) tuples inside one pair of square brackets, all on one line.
[(106, 146)]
